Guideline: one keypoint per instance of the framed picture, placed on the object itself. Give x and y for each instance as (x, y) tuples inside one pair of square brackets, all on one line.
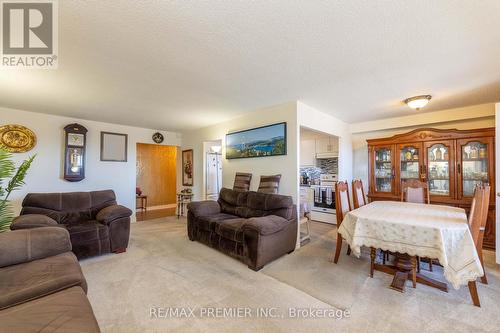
[(187, 167), (262, 141), (113, 147)]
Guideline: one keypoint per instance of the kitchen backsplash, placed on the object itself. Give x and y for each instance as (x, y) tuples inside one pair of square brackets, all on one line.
[(326, 165)]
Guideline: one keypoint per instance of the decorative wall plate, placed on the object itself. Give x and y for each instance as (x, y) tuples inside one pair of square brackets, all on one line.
[(17, 138)]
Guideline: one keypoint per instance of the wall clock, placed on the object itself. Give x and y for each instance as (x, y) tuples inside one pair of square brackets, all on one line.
[(158, 137), (17, 138), (74, 152)]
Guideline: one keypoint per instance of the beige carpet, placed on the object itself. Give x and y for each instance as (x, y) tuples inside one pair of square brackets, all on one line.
[(162, 268)]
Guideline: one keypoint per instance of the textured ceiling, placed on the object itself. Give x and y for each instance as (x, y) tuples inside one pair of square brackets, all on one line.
[(185, 64)]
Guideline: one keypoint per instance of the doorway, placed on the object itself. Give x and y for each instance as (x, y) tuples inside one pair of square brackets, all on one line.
[(213, 169), (156, 181)]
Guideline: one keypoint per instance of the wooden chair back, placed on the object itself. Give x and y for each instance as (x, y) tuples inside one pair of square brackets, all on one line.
[(242, 181), (479, 214), (342, 202), (358, 194), (414, 190)]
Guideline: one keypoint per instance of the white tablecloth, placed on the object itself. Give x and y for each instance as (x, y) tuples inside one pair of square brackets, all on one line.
[(432, 231)]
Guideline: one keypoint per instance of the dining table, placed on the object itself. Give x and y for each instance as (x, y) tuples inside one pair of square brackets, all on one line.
[(413, 230)]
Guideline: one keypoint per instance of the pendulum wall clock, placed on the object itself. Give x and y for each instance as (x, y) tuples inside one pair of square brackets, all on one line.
[(74, 152)]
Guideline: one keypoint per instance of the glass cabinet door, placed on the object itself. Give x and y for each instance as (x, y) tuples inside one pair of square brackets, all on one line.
[(475, 160), (409, 160), (384, 169), (439, 161)]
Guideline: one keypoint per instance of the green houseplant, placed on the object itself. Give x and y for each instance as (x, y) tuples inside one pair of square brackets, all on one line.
[(11, 179)]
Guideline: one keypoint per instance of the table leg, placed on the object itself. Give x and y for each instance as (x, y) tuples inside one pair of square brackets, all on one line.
[(406, 267), (473, 293), (178, 207), (373, 254), (145, 204)]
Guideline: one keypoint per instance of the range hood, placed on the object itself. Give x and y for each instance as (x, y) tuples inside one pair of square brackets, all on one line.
[(327, 155)]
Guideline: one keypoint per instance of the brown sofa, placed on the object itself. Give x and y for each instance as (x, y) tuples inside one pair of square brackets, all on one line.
[(95, 222), (253, 227), (42, 287)]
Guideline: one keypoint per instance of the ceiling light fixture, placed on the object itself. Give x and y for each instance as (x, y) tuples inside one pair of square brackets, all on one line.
[(418, 102)]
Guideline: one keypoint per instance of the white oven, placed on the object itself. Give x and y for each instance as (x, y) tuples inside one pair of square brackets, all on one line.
[(323, 209)]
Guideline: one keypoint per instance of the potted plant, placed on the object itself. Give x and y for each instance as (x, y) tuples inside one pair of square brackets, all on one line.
[(11, 179)]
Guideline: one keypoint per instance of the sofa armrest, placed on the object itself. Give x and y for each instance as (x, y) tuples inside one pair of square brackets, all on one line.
[(25, 245), (29, 221), (204, 208), (111, 213), (266, 225)]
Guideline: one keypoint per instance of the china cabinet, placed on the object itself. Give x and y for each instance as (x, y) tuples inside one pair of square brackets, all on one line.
[(452, 162)]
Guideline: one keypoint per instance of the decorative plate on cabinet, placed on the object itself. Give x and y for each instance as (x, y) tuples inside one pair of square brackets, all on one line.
[(17, 138)]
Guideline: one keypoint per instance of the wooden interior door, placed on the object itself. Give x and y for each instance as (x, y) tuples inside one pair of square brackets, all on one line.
[(439, 169), (157, 173), (383, 172)]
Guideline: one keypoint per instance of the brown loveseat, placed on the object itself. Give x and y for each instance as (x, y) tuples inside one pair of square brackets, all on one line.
[(96, 224), (253, 227), (42, 287)]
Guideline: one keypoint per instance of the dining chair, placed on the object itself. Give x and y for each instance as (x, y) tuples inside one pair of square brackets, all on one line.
[(477, 220), (242, 181), (414, 190), (269, 184), (358, 194), (343, 206)]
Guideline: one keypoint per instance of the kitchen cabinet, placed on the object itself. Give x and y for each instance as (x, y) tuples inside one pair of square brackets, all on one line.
[(307, 152), (327, 147), (452, 162)]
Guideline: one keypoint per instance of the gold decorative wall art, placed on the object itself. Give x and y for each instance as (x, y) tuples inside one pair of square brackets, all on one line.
[(17, 138)]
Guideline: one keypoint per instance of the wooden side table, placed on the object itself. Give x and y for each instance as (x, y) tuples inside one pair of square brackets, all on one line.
[(144, 202), (182, 200)]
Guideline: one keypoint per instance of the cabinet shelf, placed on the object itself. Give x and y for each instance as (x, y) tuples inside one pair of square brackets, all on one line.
[(439, 178), (479, 159), (441, 160)]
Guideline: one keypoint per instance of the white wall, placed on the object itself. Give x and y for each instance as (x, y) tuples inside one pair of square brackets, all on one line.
[(471, 117), (319, 121), (286, 165), (46, 172), (497, 185)]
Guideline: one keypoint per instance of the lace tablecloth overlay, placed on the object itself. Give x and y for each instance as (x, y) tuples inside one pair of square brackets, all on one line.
[(428, 231)]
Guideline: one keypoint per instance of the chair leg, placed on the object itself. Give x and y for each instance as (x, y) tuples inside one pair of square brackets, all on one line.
[(383, 258), (414, 271), (338, 248), (348, 250), (484, 280), (373, 254), (418, 264), (430, 264), (473, 293)]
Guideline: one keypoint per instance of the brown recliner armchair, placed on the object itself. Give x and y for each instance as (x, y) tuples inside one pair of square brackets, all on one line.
[(95, 222)]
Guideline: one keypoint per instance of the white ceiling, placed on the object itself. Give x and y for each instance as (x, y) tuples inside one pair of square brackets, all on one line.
[(184, 64)]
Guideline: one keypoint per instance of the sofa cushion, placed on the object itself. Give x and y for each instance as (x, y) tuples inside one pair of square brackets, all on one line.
[(24, 282), (68, 208), (266, 225), (264, 204), (208, 222), (230, 229), (30, 221), (89, 238), (230, 201), (66, 311)]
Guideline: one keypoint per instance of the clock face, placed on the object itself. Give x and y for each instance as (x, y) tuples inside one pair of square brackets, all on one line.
[(158, 137), (75, 139)]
